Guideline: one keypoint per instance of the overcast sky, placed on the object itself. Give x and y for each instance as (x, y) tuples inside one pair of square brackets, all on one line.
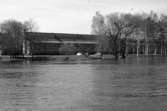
[(71, 16)]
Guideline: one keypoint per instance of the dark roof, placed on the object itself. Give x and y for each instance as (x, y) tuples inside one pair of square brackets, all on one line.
[(61, 37)]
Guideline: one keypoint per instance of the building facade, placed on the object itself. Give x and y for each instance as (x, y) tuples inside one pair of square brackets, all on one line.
[(58, 43)]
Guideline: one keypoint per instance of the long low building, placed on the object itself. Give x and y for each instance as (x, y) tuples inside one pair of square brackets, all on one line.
[(59, 43)]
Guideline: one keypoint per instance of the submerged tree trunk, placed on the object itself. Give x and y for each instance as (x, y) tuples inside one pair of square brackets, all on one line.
[(138, 46), (123, 48), (146, 48), (115, 47), (155, 51), (155, 47)]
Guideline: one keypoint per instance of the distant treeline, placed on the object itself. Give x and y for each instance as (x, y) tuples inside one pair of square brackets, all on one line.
[(115, 28)]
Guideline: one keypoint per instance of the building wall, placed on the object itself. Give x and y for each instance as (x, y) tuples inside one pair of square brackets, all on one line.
[(44, 49), (54, 48), (50, 43)]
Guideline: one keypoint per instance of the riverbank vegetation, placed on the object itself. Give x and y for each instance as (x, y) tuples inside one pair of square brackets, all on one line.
[(147, 31), (12, 39)]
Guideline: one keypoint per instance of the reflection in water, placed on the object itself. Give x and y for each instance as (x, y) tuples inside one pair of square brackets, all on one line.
[(129, 86), (17, 88), (134, 84)]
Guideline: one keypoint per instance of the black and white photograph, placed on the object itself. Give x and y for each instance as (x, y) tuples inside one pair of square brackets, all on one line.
[(83, 55)]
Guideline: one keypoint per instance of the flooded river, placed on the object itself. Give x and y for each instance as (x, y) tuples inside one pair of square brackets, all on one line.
[(134, 84)]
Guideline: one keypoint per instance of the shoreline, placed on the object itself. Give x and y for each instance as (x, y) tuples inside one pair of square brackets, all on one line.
[(64, 57)]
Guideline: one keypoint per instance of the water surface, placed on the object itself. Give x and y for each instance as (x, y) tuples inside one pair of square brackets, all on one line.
[(134, 84)]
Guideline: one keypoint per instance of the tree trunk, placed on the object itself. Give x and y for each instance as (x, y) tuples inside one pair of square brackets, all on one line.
[(123, 48), (138, 45), (146, 48), (115, 47), (155, 51)]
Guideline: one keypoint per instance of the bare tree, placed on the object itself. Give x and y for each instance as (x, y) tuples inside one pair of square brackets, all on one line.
[(12, 42), (98, 24), (162, 30), (30, 26), (99, 28), (120, 26)]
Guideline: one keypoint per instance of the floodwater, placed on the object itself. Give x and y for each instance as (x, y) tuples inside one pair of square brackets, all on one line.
[(134, 84)]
